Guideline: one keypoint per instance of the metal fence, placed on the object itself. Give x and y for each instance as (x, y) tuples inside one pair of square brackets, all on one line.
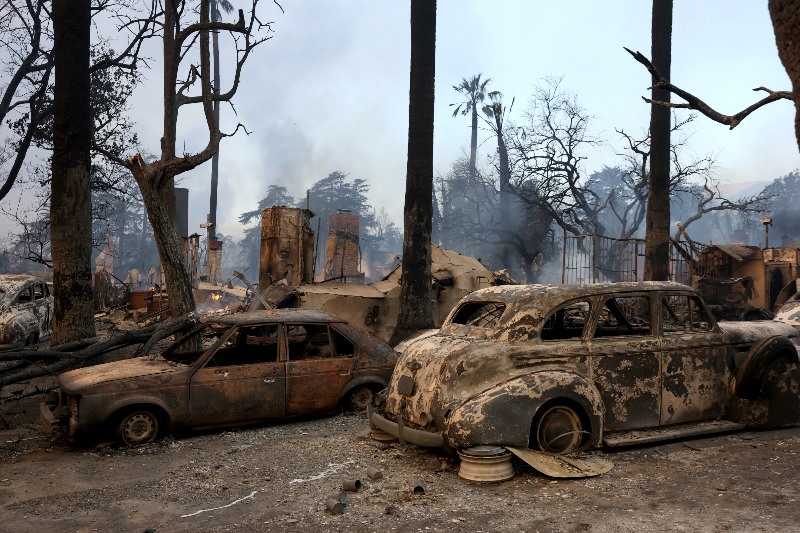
[(596, 258)]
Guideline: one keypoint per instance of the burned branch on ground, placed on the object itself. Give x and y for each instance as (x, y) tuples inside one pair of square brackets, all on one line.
[(62, 358)]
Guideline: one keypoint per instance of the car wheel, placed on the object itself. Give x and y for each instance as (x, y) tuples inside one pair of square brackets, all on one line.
[(559, 429), (359, 398), (771, 355), (138, 427)]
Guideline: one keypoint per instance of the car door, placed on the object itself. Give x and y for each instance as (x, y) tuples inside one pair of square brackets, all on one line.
[(693, 358), (242, 381), (626, 362), (320, 364)]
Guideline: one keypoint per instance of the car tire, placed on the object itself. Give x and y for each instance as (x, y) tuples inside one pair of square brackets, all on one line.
[(359, 398), (139, 426), (558, 429), (762, 359)]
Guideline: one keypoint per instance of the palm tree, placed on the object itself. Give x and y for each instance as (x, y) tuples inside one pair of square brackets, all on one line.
[(474, 89), (216, 16)]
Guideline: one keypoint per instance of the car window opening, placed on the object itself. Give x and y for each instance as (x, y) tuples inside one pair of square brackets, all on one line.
[(567, 322), (247, 346), (479, 314), (622, 316), (315, 341), (684, 314)]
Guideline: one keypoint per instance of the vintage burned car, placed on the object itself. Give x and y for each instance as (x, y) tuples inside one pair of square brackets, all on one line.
[(564, 368), (26, 310), (263, 366)]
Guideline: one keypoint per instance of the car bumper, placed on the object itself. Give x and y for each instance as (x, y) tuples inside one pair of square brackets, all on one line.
[(414, 436), (58, 418), (49, 420)]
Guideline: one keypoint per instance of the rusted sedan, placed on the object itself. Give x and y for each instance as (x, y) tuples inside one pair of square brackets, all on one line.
[(564, 368), (26, 310), (263, 366)]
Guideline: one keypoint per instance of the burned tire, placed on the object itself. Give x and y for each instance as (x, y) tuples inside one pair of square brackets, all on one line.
[(765, 356), (559, 429), (138, 426), (359, 398)]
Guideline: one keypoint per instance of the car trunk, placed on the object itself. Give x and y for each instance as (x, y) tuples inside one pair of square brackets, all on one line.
[(440, 372)]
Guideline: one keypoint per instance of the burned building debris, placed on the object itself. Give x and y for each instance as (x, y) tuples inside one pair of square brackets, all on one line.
[(287, 249)]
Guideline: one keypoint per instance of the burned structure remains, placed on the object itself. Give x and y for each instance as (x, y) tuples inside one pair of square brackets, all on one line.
[(287, 256)]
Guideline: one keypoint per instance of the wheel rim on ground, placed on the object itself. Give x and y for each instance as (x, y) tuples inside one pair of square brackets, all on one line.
[(559, 430), (139, 427)]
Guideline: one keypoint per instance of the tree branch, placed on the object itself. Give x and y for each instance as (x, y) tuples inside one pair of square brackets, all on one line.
[(695, 103)]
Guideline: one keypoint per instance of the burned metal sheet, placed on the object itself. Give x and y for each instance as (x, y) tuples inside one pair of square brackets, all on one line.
[(564, 466)]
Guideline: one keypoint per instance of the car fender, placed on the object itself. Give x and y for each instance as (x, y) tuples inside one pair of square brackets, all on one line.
[(122, 403), (17, 325), (362, 380), (749, 376), (502, 415)]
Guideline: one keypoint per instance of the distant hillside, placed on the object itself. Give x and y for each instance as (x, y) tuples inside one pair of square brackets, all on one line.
[(735, 190)]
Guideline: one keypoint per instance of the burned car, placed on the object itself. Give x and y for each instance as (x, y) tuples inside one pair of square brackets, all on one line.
[(789, 313), (26, 310), (263, 366), (564, 368)]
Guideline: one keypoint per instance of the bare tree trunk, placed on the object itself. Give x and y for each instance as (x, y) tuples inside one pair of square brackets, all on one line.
[(160, 206), (658, 217), (786, 23), (70, 205), (415, 287)]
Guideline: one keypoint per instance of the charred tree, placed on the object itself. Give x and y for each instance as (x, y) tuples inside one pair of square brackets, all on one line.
[(415, 287), (70, 206), (785, 16), (656, 267), (156, 179)]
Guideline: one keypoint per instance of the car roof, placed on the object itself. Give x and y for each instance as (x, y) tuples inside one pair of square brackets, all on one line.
[(272, 316), (13, 282), (531, 294)]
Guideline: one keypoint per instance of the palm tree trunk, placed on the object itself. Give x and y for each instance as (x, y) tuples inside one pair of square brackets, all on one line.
[(656, 266), (212, 232), (415, 286)]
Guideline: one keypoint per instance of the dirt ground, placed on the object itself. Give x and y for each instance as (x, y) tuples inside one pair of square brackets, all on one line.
[(278, 478)]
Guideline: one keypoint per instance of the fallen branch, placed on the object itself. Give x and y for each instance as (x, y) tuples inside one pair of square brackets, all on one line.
[(34, 392), (85, 355)]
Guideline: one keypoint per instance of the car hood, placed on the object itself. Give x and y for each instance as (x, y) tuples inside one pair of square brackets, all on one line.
[(789, 313), (82, 378), (751, 332)]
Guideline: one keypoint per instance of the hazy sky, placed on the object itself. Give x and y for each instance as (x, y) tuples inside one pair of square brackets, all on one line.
[(329, 91)]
